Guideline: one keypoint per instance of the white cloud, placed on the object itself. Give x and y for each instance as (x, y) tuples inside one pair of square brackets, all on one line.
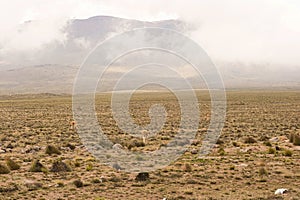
[(231, 30)]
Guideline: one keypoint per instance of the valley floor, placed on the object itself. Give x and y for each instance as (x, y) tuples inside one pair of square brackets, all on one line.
[(253, 156)]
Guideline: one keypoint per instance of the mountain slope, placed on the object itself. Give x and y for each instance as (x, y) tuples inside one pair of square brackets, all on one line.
[(54, 67)]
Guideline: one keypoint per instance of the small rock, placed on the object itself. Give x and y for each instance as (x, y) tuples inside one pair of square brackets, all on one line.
[(243, 165), (36, 148), (117, 166), (194, 151), (118, 147), (274, 139), (142, 176), (29, 149), (281, 191)]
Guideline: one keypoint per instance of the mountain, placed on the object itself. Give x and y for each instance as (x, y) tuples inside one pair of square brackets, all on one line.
[(80, 37), (53, 68), (99, 27)]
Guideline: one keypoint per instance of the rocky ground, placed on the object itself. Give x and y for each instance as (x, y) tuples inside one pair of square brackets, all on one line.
[(41, 157)]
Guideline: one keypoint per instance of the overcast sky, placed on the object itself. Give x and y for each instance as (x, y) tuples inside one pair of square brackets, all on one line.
[(259, 31)]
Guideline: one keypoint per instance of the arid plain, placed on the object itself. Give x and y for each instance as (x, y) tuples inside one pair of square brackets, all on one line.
[(42, 157)]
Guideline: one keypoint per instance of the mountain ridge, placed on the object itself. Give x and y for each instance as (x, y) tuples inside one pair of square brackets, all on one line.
[(82, 34)]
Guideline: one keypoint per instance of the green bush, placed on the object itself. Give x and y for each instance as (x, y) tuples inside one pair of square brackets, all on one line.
[(89, 167)]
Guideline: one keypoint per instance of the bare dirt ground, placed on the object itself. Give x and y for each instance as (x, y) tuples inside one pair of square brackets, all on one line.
[(252, 159)]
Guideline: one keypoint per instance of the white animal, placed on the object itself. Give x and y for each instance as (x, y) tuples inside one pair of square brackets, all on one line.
[(281, 191)]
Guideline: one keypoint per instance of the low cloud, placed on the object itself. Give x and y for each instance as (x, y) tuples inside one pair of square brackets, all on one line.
[(251, 31)]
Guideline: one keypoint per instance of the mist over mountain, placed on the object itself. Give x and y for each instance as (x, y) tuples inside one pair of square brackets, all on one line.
[(53, 67), (80, 36)]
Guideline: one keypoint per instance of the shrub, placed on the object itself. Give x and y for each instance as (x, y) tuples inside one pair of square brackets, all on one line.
[(12, 164), (222, 152), (268, 143), (100, 198), (271, 151), (78, 183), (235, 144), (36, 166), (296, 140), (50, 149), (77, 163), (288, 153), (4, 169), (187, 167), (264, 138), (60, 184), (262, 172), (60, 166), (89, 167), (291, 138), (250, 140), (278, 148), (71, 146), (96, 180), (135, 143), (220, 141), (142, 176)]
